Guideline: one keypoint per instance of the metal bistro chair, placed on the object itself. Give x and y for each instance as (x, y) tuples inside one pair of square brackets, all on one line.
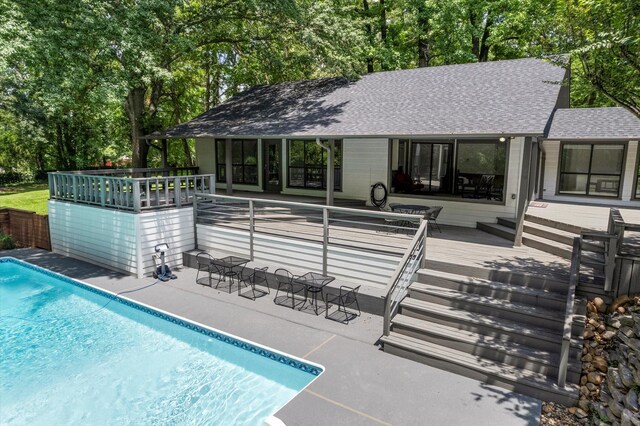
[(344, 300), (285, 280), (206, 264), (258, 276), (433, 216)]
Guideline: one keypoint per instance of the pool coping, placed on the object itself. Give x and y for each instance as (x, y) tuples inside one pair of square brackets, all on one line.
[(312, 368)]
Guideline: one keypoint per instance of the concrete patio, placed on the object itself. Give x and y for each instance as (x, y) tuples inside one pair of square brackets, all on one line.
[(361, 385)]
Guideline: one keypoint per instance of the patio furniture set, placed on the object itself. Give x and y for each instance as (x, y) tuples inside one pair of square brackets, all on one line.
[(429, 213), (253, 283)]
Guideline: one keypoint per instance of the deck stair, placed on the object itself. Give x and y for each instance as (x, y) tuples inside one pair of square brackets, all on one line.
[(556, 238), (503, 329)]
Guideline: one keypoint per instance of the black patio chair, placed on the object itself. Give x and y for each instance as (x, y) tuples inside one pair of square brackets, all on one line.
[(285, 282), (258, 276), (433, 216), (206, 264), (347, 298)]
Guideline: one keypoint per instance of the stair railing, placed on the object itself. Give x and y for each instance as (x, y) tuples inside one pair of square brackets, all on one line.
[(402, 277), (568, 314)]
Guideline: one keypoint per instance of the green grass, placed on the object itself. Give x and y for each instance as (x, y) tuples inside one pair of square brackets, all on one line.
[(26, 196)]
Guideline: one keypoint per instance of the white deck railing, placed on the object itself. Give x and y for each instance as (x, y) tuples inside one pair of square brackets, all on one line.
[(135, 190)]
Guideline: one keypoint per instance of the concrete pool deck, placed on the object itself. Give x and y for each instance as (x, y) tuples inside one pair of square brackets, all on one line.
[(361, 385)]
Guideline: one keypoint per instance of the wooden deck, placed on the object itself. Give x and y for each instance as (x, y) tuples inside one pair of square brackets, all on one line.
[(472, 247), (584, 216)]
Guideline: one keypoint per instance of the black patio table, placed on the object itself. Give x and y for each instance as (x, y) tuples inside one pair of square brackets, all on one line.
[(314, 282), (230, 262)]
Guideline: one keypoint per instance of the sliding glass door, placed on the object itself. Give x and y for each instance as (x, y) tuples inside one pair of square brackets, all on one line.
[(431, 167)]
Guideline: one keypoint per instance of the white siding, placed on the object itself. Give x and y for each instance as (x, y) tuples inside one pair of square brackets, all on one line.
[(352, 265), (552, 164), (93, 234), (118, 240), (205, 156), (174, 227)]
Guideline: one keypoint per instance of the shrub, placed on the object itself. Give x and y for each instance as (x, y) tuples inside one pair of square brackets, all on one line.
[(6, 242)]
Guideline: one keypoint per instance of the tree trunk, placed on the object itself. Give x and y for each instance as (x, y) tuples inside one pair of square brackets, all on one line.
[(187, 153), (484, 45), (134, 106), (369, 30), (424, 39)]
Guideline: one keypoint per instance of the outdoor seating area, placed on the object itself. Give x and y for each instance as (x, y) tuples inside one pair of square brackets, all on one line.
[(299, 292), (429, 213)]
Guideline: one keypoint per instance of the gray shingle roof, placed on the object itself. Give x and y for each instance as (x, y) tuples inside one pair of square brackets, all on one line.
[(514, 97), (594, 123)]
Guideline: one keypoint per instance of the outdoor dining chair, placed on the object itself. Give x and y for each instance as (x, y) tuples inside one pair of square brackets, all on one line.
[(206, 264), (285, 282), (345, 300), (433, 216), (258, 276)]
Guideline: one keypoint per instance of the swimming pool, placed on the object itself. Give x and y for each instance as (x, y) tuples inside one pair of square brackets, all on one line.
[(74, 354)]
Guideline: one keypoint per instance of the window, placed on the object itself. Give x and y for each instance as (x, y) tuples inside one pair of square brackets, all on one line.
[(308, 165), (590, 169), (429, 170), (244, 161), (481, 168)]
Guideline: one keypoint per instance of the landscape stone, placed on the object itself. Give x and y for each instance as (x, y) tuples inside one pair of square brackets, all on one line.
[(600, 363), (626, 376), (626, 330), (595, 377), (598, 302), (613, 378), (608, 335), (629, 419), (616, 408), (631, 401)]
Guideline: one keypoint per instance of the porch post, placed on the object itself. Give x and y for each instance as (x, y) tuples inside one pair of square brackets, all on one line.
[(330, 171), (228, 146)]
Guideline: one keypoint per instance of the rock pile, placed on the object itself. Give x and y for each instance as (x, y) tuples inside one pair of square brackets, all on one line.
[(610, 381)]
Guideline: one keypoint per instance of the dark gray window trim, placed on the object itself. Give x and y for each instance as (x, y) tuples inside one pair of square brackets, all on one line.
[(636, 174), (217, 165), (288, 166), (591, 142), (455, 142)]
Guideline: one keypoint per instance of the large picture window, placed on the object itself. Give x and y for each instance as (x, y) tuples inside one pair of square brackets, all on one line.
[(308, 165), (591, 169), (244, 159)]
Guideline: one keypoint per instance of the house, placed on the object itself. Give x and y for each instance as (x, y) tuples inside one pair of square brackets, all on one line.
[(479, 139)]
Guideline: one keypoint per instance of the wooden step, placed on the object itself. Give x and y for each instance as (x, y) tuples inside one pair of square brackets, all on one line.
[(531, 335), (547, 246), (489, 288), (560, 236), (489, 347), (521, 313), (497, 230), (509, 222), (490, 372), (538, 280), (553, 224)]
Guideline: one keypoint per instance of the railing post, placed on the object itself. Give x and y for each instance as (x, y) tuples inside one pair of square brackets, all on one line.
[(610, 263), (103, 191), (50, 179), (136, 196), (424, 247), (195, 221), (325, 240), (176, 192), (251, 229), (74, 185), (212, 184)]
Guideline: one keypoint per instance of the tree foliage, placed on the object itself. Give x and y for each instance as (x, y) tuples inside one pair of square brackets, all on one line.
[(82, 80)]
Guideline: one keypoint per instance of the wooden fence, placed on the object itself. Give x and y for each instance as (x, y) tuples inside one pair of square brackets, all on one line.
[(27, 228)]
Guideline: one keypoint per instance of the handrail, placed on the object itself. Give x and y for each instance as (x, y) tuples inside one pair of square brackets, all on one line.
[(171, 171), (359, 212), (403, 275), (125, 193), (568, 314)]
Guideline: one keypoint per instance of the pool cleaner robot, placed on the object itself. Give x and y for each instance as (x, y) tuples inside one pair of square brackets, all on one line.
[(162, 272)]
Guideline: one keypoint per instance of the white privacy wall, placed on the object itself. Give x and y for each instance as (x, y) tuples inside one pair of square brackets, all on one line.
[(551, 150), (346, 264), (118, 240)]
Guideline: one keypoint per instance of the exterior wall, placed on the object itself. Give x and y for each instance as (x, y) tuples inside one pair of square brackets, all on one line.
[(122, 241), (300, 256), (100, 236), (551, 174), (205, 156), (465, 212)]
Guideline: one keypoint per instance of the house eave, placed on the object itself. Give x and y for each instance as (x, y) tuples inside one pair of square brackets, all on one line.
[(351, 136)]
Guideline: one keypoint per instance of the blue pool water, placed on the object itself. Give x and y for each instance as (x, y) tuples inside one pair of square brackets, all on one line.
[(73, 355)]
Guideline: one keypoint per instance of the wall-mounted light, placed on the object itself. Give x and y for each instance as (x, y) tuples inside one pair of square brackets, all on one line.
[(502, 139)]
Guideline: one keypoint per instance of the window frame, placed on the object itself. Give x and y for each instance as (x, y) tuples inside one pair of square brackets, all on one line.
[(636, 184), (592, 144), (322, 167), (222, 165)]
